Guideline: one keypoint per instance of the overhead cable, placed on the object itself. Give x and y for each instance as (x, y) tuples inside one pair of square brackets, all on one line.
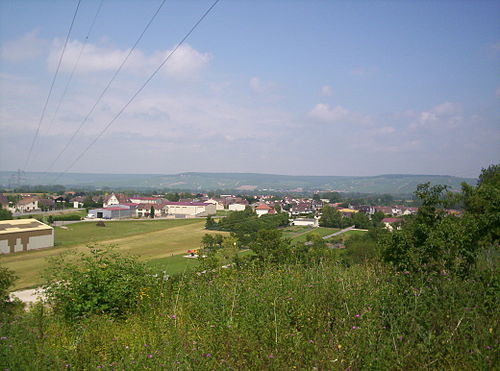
[(75, 133), (51, 87), (84, 44), (138, 91)]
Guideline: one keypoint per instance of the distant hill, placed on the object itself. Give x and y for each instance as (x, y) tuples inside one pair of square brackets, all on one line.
[(392, 183)]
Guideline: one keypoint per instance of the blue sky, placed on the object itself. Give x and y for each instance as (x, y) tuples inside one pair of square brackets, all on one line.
[(286, 87)]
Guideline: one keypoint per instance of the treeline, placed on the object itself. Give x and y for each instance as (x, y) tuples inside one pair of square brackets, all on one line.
[(245, 224)]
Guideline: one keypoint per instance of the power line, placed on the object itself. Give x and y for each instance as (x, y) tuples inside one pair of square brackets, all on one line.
[(51, 86), (138, 91), (75, 66), (75, 133)]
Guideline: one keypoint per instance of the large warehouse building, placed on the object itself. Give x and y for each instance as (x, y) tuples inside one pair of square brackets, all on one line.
[(24, 234)]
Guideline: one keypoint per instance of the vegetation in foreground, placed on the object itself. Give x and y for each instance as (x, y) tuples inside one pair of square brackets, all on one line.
[(413, 302)]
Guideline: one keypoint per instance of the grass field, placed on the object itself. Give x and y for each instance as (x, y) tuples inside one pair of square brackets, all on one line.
[(147, 239), (299, 233)]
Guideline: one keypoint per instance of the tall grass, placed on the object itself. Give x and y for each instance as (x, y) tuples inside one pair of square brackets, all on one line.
[(325, 317)]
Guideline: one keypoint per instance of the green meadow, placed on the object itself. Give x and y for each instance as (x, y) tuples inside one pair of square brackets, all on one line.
[(149, 239)]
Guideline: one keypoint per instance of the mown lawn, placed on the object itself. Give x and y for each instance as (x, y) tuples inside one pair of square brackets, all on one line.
[(88, 232), (147, 239), (322, 231)]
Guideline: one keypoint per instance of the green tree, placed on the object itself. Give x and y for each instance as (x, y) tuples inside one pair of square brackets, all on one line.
[(271, 247), (152, 212), (5, 214), (433, 241), (210, 223), (361, 220), (7, 279), (101, 281), (330, 217)]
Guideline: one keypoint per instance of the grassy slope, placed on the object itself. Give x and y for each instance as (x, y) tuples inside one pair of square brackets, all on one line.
[(147, 239)]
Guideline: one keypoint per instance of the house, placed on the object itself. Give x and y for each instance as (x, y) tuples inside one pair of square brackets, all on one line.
[(219, 205), (188, 209), (46, 204), (24, 234), (77, 201), (27, 205), (301, 208), (264, 209), (114, 199), (346, 212), (145, 210), (237, 207), (306, 222), (385, 209), (145, 200), (390, 223)]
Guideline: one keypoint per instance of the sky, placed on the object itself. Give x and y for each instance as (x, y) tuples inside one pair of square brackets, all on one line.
[(284, 87)]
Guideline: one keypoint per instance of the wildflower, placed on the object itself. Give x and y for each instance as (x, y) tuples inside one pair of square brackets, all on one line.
[(99, 366), (3, 338), (355, 327), (206, 355), (339, 347), (488, 347), (150, 356), (67, 365), (357, 315), (173, 316), (311, 341), (270, 356)]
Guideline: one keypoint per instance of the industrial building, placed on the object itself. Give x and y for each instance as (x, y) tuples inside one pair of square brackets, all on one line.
[(24, 234)]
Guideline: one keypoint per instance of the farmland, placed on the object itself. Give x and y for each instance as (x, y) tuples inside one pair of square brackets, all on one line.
[(150, 240)]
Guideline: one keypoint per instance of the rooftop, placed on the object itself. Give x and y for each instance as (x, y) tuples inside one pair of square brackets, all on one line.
[(22, 225)]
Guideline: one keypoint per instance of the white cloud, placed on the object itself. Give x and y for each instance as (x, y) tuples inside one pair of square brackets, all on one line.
[(323, 112), (326, 90), (185, 63), (259, 86), (446, 114), (27, 47)]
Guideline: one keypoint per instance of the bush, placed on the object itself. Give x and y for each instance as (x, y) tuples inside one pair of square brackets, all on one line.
[(67, 217), (7, 278), (102, 281)]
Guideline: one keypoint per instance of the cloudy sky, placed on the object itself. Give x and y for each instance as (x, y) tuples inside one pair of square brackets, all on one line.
[(286, 87)]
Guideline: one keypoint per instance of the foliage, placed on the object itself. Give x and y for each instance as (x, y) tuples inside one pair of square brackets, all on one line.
[(245, 224), (100, 282), (361, 220), (277, 317), (330, 217), (435, 242), (5, 214), (65, 217), (210, 223), (212, 241), (7, 278), (269, 246)]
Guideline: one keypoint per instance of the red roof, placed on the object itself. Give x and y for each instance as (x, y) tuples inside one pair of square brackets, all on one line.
[(263, 207)]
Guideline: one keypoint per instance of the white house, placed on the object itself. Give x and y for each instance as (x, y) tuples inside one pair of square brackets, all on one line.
[(218, 205), (188, 209), (264, 209), (24, 234), (306, 222), (114, 199), (27, 205), (236, 207)]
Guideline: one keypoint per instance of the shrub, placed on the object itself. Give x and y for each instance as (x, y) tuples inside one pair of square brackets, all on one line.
[(67, 217), (101, 281), (7, 278)]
